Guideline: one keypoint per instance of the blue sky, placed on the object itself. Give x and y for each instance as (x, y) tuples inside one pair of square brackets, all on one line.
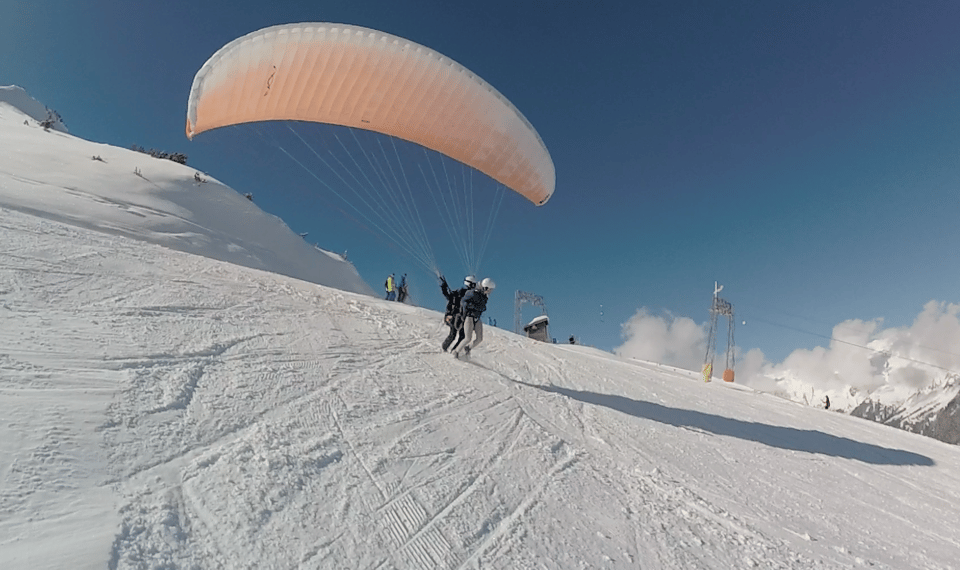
[(804, 155)]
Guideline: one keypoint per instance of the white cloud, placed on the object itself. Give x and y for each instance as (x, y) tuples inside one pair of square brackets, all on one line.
[(677, 341), (862, 358)]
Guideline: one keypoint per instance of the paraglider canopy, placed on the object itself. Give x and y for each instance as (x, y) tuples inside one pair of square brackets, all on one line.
[(362, 78)]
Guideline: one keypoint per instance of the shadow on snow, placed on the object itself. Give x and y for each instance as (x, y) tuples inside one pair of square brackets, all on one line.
[(810, 441)]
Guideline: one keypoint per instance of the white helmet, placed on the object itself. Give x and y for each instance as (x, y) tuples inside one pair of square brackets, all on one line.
[(469, 281), (488, 284)]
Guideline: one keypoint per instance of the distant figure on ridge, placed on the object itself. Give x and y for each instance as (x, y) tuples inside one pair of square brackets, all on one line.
[(452, 315), (402, 289), (473, 305), (391, 288), (826, 402)]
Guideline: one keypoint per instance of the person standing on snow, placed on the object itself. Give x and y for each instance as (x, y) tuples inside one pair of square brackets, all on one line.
[(452, 315), (472, 306), (391, 288), (402, 289)]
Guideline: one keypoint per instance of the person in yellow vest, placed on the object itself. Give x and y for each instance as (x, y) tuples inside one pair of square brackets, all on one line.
[(391, 287)]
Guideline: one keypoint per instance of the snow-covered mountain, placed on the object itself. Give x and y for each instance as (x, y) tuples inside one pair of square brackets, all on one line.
[(904, 375), (164, 407), (933, 412)]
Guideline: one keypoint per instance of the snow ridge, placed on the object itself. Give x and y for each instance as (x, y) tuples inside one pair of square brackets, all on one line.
[(15, 101)]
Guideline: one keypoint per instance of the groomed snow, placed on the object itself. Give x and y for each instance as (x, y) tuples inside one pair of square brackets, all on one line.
[(165, 406)]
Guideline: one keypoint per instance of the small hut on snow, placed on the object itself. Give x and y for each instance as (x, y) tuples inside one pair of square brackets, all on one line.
[(537, 329)]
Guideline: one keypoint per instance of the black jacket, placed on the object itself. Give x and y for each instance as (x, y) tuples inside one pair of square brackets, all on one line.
[(453, 298), (474, 303)]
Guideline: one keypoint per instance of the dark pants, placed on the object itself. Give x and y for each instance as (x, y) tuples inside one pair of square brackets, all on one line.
[(455, 327)]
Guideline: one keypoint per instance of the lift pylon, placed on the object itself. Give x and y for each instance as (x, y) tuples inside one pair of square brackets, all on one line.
[(717, 308), (521, 298)]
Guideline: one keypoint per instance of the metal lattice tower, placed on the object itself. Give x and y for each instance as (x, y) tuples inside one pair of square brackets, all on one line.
[(521, 298), (717, 308)]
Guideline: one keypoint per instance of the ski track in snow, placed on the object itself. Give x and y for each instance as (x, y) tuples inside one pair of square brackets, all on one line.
[(242, 419)]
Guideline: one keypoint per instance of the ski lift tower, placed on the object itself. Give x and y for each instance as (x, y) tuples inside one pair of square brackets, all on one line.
[(718, 308), (521, 298)]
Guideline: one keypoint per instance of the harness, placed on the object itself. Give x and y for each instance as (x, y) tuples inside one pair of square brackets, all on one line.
[(476, 304), (453, 301)]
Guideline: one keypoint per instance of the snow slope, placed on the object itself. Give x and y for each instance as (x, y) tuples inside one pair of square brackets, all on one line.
[(18, 101), (54, 175), (163, 409)]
